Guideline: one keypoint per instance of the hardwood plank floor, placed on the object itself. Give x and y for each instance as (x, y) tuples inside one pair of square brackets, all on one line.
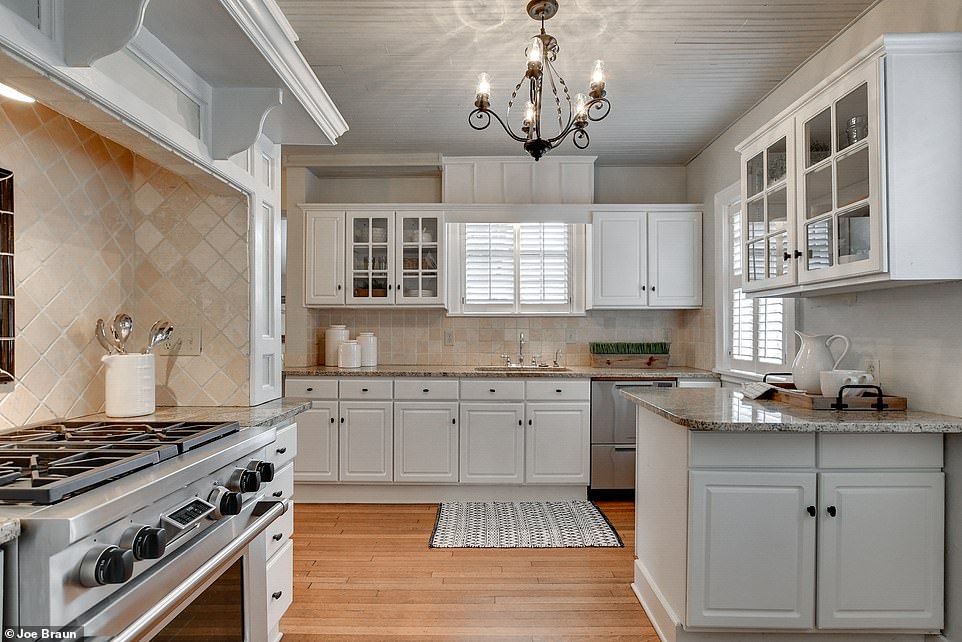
[(365, 572)]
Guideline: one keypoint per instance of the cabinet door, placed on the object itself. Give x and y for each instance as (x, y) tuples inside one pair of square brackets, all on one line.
[(619, 252), (426, 442), (674, 259), (839, 215), (881, 553), (366, 440), (317, 430), (371, 257), (492, 443), (751, 550), (324, 258), (420, 254), (556, 445)]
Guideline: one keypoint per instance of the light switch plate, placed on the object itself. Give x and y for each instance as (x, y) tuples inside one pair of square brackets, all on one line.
[(449, 337), (185, 341)]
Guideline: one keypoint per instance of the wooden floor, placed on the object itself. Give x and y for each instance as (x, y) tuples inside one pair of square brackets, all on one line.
[(365, 572)]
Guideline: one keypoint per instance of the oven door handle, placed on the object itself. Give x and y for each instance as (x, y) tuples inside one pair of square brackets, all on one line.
[(266, 511)]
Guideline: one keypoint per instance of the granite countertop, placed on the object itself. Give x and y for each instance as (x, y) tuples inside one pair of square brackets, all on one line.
[(574, 372), (9, 529), (726, 410), (266, 414)]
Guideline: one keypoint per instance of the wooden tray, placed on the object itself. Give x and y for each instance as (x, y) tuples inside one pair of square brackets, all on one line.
[(818, 402), (629, 360)]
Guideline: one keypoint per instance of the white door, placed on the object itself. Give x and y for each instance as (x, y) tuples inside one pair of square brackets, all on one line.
[(557, 448), (751, 550), (323, 258), (674, 259), (366, 440), (426, 442), (619, 256), (419, 270), (492, 443), (370, 257), (881, 547), (317, 430)]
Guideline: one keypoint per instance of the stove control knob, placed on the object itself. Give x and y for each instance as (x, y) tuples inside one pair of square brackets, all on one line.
[(106, 565), (145, 542), (264, 468), (244, 481), (225, 502)]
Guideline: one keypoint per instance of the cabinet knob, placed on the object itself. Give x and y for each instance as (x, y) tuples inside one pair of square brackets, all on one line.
[(832, 511), (454, 421), (332, 419), (388, 286), (281, 451), (531, 422), (558, 390), (426, 390), (339, 288), (798, 254), (363, 389), (811, 511), (491, 390), (310, 389), (643, 288), (399, 287), (342, 419), (276, 595), (277, 536), (278, 493), (520, 423), (652, 288), (786, 256)]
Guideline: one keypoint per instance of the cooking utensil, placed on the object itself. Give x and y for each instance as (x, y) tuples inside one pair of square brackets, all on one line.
[(101, 333), (159, 333), (122, 327)]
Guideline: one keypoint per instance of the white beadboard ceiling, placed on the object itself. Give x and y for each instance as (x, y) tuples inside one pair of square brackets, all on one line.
[(403, 73)]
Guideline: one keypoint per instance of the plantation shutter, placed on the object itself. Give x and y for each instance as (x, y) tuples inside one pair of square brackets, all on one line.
[(489, 264), (543, 264)]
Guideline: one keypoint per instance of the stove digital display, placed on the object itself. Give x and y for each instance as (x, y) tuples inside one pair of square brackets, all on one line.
[(190, 513)]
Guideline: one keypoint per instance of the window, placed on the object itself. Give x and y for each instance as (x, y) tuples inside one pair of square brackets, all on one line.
[(511, 268), (754, 334)]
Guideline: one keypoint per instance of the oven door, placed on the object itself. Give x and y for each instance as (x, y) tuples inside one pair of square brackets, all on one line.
[(212, 589)]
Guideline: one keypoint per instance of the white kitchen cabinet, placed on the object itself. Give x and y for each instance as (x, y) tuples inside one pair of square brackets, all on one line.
[(371, 240), (418, 275), (317, 434), (518, 180), (881, 546), (646, 259), (845, 191), (426, 442), (556, 445), (751, 549), (492, 443), (323, 257), (366, 441)]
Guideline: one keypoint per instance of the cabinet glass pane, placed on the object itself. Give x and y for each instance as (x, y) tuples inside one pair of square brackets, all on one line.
[(756, 218), (756, 260), (777, 162), (362, 257), (851, 178), (755, 179), (410, 230), (818, 138), (818, 192), (818, 240), (379, 259), (378, 230), (410, 286), (362, 287), (429, 258), (429, 286), (851, 117), (778, 210), (362, 227), (778, 264), (379, 287), (854, 235), (409, 258), (429, 230)]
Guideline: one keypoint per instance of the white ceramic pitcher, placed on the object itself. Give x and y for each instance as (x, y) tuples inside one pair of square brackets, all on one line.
[(813, 357)]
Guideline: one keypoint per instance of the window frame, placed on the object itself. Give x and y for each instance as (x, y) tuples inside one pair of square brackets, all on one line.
[(725, 202)]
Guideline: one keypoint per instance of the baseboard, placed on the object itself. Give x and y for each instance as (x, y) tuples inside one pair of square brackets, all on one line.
[(663, 618), (429, 494)]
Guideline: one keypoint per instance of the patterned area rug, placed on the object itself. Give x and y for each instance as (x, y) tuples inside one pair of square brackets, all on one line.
[(576, 524)]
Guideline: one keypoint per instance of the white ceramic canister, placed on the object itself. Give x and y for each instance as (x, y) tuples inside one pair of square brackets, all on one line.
[(349, 354), (129, 384), (332, 339), (368, 343)]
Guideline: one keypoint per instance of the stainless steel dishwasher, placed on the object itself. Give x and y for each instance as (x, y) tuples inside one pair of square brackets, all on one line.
[(613, 433)]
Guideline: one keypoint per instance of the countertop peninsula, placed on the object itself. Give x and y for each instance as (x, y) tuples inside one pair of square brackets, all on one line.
[(572, 372), (727, 410)]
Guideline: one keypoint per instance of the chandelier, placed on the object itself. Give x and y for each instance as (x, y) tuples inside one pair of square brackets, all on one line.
[(545, 83)]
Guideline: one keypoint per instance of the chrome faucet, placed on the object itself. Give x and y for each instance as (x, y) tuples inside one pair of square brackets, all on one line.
[(521, 350)]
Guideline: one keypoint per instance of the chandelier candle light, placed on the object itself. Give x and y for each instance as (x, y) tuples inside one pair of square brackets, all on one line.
[(541, 55)]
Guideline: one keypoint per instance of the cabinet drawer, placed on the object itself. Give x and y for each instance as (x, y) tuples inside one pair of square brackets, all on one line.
[(282, 487), (280, 584), (365, 388), (880, 451), (284, 447), (558, 390), (279, 532), (413, 389), (311, 387), (492, 389), (751, 450)]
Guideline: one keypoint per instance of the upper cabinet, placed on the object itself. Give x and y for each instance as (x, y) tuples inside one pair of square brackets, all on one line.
[(856, 185), (518, 181)]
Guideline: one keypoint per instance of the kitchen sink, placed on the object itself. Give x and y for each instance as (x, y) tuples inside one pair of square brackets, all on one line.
[(522, 369)]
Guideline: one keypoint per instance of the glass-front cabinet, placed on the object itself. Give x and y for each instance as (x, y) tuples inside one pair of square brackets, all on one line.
[(419, 258), (371, 257), (768, 195)]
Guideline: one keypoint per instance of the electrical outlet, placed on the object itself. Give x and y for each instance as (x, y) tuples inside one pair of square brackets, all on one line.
[(873, 367), (184, 341), (449, 337)]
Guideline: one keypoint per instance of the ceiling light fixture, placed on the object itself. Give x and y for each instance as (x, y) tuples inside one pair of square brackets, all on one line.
[(541, 54), (10, 92)]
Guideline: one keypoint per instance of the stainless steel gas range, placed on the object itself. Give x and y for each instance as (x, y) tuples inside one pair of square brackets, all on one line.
[(135, 530)]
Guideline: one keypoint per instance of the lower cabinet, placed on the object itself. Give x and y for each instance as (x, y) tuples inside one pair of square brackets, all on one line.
[(426, 442), (557, 443), (366, 441), (317, 443), (492, 443)]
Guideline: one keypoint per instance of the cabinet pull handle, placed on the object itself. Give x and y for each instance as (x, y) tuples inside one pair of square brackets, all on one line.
[(811, 510), (332, 419), (399, 287), (363, 389), (832, 511), (520, 423), (281, 451), (310, 389), (531, 422), (342, 419), (278, 493), (798, 254), (643, 288), (557, 389), (388, 286), (453, 420), (786, 256), (277, 536), (426, 390), (652, 288), (491, 390), (339, 288), (276, 595)]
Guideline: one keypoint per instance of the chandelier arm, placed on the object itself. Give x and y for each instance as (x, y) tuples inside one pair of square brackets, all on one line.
[(554, 91), (486, 114), (598, 104), (581, 139)]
